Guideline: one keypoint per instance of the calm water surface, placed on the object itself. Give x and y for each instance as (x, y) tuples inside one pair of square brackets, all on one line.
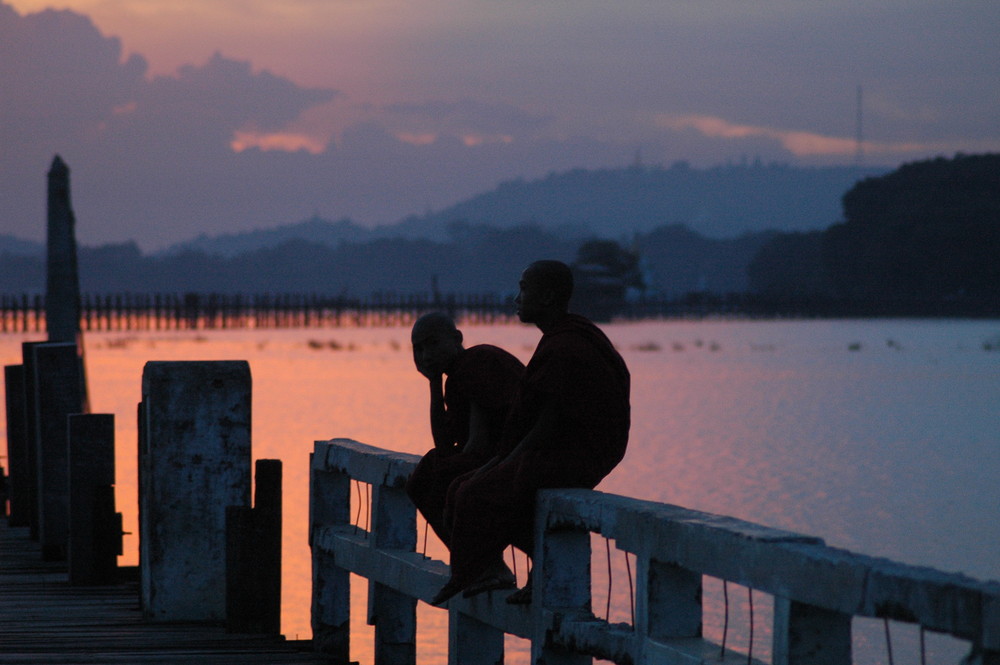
[(882, 437)]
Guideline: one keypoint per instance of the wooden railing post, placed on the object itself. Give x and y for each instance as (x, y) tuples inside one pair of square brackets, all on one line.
[(253, 556), (561, 588), (95, 529), (394, 615), (19, 475), (59, 393), (329, 505), (809, 635)]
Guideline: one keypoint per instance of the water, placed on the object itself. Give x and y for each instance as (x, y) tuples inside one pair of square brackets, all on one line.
[(882, 437)]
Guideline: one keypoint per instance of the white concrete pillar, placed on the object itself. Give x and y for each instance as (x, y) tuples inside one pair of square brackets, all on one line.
[(809, 635), (560, 581), (329, 505), (194, 462), (394, 615)]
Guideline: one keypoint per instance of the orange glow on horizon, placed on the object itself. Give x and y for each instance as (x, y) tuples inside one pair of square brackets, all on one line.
[(799, 143), (287, 142)]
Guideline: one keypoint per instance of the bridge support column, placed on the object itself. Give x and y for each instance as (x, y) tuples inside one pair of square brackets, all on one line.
[(58, 395), (194, 462), (560, 588), (472, 642), (331, 585), (668, 601), (809, 635), (95, 529), (394, 615)]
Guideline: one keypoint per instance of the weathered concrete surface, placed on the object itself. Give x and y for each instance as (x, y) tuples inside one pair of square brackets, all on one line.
[(194, 462), (57, 395)]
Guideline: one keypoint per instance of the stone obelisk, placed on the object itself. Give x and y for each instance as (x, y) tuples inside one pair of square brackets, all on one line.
[(62, 285)]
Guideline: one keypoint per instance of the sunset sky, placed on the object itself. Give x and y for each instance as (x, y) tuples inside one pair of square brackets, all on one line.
[(179, 118)]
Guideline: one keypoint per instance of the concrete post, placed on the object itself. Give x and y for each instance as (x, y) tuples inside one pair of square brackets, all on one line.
[(20, 475), (30, 438), (560, 582), (253, 557), (809, 635), (94, 527), (668, 603), (62, 286), (58, 395), (394, 615), (194, 461), (329, 505), (472, 642)]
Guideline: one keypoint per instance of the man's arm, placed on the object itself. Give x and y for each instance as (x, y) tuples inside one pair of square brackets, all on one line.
[(439, 419), (478, 442), (542, 431)]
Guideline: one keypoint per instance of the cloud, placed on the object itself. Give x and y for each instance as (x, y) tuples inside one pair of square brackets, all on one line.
[(440, 108), (796, 142)]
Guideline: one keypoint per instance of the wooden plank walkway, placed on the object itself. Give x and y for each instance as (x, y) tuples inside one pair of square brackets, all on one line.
[(44, 620)]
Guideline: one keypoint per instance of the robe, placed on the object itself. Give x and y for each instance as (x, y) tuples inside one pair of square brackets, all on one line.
[(484, 375), (576, 371)]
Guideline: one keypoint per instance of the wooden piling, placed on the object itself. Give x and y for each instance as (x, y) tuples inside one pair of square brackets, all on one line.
[(253, 557), (18, 481), (94, 526), (58, 394)]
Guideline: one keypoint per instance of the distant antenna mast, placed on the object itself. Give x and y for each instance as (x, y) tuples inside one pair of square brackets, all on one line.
[(859, 140)]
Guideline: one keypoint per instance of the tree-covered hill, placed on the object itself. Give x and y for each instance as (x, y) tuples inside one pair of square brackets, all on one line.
[(924, 238)]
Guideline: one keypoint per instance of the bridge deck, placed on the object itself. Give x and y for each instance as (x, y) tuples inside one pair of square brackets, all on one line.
[(45, 620)]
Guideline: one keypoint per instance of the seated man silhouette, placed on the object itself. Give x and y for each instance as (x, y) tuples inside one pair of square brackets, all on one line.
[(568, 427), (467, 412)]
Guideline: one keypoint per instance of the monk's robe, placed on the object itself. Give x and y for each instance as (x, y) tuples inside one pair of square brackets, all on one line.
[(484, 375), (576, 371)]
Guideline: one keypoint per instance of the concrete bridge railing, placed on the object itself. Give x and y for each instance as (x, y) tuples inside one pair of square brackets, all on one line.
[(817, 590)]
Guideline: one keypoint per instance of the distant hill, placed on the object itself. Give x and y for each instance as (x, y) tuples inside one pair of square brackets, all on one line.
[(719, 202), (18, 247), (315, 230), (723, 202)]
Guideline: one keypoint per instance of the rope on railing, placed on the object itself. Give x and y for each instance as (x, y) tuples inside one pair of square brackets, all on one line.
[(750, 649), (607, 609), (725, 621), (357, 518), (888, 639), (631, 593)]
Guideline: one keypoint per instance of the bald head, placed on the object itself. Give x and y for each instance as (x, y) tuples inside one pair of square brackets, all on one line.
[(554, 276), (544, 292), (436, 341)]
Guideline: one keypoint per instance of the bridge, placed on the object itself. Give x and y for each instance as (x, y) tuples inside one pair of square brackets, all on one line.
[(816, 590)]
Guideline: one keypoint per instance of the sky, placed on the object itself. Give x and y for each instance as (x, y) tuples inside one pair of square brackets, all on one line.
[(181, 117)]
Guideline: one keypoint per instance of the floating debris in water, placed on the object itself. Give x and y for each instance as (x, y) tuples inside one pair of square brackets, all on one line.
[(318, 345), (992, 344), (647, 346), (854, 346)]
